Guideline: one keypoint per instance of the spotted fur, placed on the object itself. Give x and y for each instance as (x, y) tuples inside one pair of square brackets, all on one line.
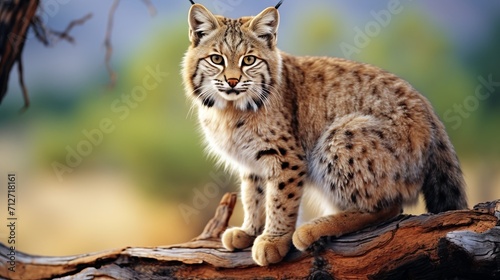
[(363, 138)]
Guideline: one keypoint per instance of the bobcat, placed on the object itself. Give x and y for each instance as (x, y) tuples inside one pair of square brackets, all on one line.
[(361, 137)]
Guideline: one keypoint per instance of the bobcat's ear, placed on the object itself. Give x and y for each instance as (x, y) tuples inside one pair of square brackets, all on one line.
[(201, 23), (265, 25)]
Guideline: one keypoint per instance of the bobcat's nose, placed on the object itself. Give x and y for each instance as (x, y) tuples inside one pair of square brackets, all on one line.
[(232, 82)]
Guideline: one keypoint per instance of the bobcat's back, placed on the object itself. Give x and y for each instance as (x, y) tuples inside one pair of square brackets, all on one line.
[(415, 151)]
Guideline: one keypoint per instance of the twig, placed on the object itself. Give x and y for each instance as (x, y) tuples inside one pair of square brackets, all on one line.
[(151, 7), (65, 34), (24, 89), (107, 39), (108, 46), (42, 33)]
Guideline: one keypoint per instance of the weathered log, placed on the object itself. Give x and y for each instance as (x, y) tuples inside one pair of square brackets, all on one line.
[(455, 244)]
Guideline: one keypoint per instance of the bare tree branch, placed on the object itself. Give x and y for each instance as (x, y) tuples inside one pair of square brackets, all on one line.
[(15, 19), (151, 7), (107, 39), (65, 34), (107, 43), (26, 97), (42, 32), (17, 16)]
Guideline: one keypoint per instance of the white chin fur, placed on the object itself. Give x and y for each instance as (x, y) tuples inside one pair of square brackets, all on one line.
[(230, 97)]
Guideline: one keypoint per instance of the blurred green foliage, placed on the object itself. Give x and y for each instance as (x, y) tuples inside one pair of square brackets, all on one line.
[(414, 49), (156, 143)]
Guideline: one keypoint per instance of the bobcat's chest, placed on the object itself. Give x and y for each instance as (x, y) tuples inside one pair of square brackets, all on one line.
[(232, 138)]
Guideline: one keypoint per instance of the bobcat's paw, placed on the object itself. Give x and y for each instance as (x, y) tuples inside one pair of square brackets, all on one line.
[(269, 249), (304, 236), (236, 238)]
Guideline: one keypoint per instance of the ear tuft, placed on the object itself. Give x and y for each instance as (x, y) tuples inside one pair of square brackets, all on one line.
[(265, 24), (201, 22)]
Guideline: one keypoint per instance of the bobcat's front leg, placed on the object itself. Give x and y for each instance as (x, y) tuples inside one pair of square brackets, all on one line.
[(253, 200), (282, 204)]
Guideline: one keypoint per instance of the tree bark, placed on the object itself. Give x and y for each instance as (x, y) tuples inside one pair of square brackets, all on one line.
[(456, 244), (15, 18)]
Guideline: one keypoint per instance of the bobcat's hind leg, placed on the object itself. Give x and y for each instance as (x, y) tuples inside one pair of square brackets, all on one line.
[(339, 224)]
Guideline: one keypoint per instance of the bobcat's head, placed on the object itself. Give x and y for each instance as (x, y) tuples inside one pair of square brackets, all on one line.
[(232, 62)]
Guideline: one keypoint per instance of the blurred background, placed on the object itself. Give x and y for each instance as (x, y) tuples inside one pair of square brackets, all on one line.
[(102, 168)]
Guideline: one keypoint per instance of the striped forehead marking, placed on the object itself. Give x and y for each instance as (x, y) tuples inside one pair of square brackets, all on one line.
[(233, 37)]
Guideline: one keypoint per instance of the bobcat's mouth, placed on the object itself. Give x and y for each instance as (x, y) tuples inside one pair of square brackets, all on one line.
[(231, 94), (231, 91)]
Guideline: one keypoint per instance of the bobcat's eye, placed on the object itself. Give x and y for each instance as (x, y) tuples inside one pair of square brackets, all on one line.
[(217, 59), (248, 60)]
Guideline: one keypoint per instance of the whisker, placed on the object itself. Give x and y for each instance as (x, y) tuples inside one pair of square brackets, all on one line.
[(261, 96), (201, 94), (270, 95)]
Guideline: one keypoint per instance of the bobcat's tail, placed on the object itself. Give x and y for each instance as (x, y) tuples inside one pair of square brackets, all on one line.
[(444, 184)]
